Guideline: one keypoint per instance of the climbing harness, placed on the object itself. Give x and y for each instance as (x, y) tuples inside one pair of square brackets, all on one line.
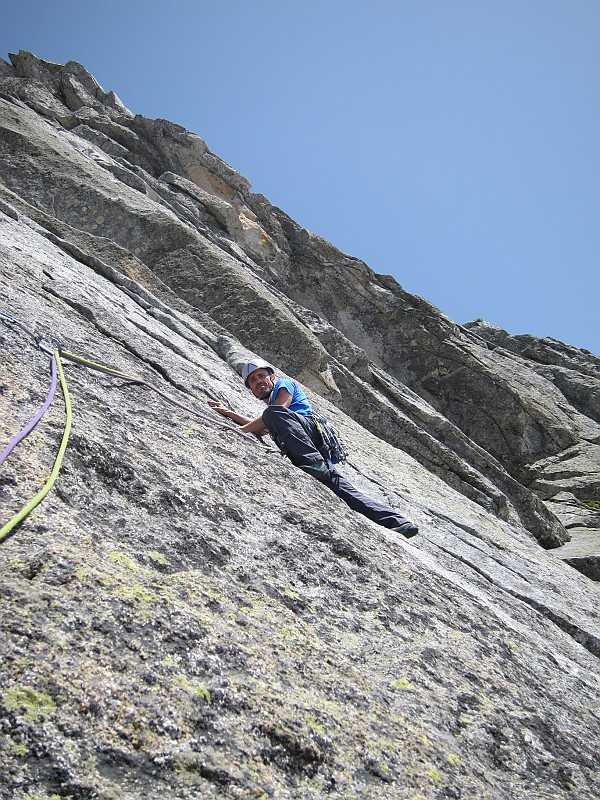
[(53, 348), (332, 440)]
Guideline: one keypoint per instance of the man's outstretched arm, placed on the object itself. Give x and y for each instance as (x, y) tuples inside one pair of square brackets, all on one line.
[(248, 424)]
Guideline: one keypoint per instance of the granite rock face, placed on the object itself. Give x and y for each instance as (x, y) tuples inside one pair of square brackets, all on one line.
[(188, 615)]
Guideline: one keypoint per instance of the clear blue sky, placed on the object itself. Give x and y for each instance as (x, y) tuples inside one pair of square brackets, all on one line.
[(454, 144)]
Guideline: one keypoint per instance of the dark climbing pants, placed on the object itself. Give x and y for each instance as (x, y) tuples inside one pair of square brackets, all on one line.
[(298, 436)]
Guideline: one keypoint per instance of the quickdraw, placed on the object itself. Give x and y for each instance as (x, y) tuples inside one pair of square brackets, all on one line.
[(53, 348)]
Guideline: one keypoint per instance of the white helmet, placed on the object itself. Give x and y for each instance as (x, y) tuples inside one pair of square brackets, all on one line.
[(255, 363)]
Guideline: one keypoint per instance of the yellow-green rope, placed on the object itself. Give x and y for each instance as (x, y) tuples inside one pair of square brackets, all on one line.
[(57, 463), (96, 365)]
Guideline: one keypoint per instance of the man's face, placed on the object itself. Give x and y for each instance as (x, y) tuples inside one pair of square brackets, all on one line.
[(261, 382)]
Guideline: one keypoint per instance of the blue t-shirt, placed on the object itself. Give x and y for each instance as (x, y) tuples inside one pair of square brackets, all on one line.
[(299, 402)]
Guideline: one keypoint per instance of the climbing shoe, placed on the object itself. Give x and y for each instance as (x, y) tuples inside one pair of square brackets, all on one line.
[(407, 529), (318, 469)]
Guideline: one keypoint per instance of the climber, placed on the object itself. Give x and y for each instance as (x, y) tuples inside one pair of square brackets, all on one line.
[(287, 419)]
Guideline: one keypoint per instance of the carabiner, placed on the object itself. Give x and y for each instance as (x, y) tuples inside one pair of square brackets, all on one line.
[(48, 344), (8, 319)]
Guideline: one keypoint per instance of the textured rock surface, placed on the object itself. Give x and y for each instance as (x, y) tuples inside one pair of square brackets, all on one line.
[(187, 615)]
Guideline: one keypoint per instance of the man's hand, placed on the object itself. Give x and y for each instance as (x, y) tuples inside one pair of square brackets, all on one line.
[(220, 409), (237, 418)]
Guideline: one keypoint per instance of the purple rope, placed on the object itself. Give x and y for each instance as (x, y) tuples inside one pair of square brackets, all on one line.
[(34, 420), (223, 425)]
